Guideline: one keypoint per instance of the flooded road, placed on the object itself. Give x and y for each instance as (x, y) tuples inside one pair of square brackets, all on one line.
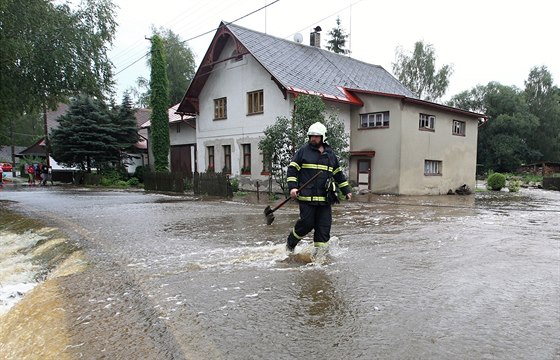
[(173, 277)]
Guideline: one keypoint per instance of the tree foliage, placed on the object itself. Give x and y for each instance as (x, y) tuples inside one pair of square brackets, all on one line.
[(543, 99), (180, 70), (125, 121), (159, 100), (85, 136), (417, 71), (286, 135), (337, 42), (523, 125), (91, 134), (50, 52)]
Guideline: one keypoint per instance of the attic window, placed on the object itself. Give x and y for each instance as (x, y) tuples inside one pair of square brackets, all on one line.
[(235, 56)]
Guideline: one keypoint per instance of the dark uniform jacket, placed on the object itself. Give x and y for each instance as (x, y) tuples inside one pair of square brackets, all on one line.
[(306, 163)]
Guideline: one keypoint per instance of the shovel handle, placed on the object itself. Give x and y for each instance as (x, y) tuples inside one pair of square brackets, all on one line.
[(301, 187)]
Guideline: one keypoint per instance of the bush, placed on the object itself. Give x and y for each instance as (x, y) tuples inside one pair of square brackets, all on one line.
[(496, 181), (514, 185), (133, 181), (234, 185), (139, 173)]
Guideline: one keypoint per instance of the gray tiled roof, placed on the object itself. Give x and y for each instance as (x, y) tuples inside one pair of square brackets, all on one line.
[(310, 68)]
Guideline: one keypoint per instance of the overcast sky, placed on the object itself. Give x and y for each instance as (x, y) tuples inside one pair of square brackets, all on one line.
[(484, 40)]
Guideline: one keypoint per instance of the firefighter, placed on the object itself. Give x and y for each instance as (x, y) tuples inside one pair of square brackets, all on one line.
[(316, 199)]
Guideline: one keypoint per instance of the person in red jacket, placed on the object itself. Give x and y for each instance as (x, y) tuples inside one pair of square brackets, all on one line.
[(31, 174), (316, 199)]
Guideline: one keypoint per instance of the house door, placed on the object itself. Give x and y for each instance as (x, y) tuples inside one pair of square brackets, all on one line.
[(364, 173), (181, 159)]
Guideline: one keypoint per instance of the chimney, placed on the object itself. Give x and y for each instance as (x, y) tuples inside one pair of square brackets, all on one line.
[(315, 37)]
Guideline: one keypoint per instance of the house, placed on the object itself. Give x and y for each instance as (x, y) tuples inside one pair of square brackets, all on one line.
[(398, 144), (182, 139)]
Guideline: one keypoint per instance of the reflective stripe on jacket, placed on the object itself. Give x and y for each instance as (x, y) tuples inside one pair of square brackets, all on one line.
[(306, 162)]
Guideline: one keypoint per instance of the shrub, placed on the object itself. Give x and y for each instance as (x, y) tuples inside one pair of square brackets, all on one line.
[(139, 173), (514, 185), (133, 181), (234, 185), (496, 181)]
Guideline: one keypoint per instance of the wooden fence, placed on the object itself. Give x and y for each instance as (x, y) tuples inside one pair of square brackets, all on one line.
[(164, 181), (551, 183), (214, 184)]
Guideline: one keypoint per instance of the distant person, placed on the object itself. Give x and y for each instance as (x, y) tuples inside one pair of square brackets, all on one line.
[(315, 200), (37, 168), (44, 174), (31, 174)]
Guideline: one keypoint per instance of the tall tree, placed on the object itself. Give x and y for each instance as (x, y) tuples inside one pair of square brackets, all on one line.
[(180, 70), (50, 52), (543, 98), (337, 42), (86, 135), (417, 71), (127, 134), (159, 101), (286, 135)]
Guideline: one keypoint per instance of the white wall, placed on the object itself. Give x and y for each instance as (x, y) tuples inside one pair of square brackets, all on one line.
[(234, 80)]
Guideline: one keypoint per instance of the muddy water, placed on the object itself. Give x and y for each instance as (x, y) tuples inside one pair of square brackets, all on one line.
[(166, 277)]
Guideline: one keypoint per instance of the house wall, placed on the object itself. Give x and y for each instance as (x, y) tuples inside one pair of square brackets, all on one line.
[(401, 149), (385, 165), (234, 80), (457, 153)]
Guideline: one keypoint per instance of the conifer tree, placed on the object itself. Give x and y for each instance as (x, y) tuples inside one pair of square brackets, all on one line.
[(338, 39), (159, 98), (85, 136)]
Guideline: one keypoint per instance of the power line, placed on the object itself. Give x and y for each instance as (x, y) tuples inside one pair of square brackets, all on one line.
[(200, 35)]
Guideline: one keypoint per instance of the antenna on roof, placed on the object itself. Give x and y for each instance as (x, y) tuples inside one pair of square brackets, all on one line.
[(298, 38)]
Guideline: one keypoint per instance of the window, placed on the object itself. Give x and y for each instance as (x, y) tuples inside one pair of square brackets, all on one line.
[(458, 127), (427, 122), (220, 108), (375, 120), (211, 164), (227, 159), (255, 102), (432, 167), (246, 169)]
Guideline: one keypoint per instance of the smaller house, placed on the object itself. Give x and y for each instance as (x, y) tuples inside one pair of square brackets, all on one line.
[(182, 142)]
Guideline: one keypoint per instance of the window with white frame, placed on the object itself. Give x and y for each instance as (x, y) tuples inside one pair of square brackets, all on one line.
[(426, 122), (220, 108), (459, 128), (375, 120), (432, 167)]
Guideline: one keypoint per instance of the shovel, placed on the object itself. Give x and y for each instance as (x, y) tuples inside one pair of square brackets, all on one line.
[(269, 213)]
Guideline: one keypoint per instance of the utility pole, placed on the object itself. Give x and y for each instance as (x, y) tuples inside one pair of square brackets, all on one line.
[(46, 133)]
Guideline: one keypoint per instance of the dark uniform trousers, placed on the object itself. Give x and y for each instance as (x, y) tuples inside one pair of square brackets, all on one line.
[(312, 217)]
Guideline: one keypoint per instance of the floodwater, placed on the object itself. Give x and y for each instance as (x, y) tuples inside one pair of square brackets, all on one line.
[(152, 276)]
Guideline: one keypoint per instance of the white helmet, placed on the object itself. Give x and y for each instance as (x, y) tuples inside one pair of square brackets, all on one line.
[(317, 129)]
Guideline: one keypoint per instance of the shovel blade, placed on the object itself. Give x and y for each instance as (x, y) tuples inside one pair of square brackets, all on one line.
[(269, 214)]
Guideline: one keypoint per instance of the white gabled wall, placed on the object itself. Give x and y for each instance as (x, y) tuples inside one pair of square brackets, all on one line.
[(233, 80)]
